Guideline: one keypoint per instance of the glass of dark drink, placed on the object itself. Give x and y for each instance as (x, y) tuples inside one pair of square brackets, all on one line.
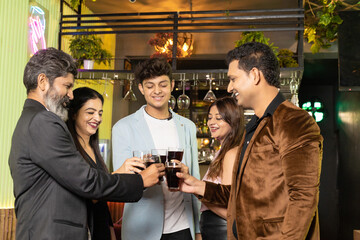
[(175, 153), (143, 155), (162, 153), (171, 168), (151, 159)]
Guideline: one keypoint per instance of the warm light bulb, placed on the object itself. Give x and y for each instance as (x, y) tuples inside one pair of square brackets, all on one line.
[(185, 47)]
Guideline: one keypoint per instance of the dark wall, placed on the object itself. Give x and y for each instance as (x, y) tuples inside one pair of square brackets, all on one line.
[(349, 50), (339, 205), (348, 110), (320, 83)]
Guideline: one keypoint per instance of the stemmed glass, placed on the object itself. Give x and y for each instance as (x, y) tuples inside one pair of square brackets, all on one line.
[(130, 95), (210, 95), (294, 88), (183, 100), (105, 94), (172, 102)]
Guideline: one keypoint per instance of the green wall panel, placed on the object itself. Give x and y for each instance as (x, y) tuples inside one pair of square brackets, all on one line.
[(13, 51), (13, 58)]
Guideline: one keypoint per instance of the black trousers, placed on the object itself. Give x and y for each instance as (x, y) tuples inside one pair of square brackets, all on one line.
[(212, 226), (180, 235)]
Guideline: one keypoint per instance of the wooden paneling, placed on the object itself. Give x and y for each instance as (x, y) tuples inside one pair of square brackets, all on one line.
[(7, 224)]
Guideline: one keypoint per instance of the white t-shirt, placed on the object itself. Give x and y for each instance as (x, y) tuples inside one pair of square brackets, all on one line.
[(164, 135)]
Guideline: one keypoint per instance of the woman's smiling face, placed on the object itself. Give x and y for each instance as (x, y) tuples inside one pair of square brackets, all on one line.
[(218, 127), (89, 117)]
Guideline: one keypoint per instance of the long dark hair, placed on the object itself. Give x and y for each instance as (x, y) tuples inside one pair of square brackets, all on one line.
[(234, 116), (81, 96)]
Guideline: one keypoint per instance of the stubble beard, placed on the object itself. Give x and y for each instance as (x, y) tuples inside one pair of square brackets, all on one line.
[(56, 104)]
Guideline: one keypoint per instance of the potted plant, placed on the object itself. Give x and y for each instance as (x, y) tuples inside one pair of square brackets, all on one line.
[(88, 47)]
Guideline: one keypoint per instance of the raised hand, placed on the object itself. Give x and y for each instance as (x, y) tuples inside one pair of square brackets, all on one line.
[(152, 173), (131, 165), (190, 184)]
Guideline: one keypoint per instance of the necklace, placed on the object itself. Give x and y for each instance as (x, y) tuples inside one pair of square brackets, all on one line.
[(168, 118)]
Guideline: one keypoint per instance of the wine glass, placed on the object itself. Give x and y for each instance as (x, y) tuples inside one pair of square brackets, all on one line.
[(183, 100), (105, 94), (130, 95), (172, 102), (210, 95), (294, 88)]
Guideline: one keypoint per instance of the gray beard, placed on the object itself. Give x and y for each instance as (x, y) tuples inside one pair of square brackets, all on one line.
[(55, 104)]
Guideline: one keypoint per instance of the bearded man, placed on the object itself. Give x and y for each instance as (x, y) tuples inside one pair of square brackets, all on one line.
[(51, 179)]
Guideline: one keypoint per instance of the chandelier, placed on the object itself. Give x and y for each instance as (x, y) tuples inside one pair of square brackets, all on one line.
[(163, 44)]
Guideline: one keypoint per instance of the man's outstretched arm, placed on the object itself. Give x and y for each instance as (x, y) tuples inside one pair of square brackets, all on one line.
[(207, 192)]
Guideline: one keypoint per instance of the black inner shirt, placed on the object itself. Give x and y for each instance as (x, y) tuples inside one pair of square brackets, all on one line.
[(250, 130)]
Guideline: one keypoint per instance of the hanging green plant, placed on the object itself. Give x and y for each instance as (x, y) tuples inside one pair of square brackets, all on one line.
[(322, 21), (285, 56), (88, 47), (75, 4), (255, 36)]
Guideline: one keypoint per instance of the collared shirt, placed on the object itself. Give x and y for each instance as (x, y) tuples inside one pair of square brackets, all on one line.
[(251, 128)]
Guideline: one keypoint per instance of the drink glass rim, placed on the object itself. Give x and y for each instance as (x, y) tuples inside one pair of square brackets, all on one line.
[(172, 164), (142, 153), (178, 149), (159, 149)]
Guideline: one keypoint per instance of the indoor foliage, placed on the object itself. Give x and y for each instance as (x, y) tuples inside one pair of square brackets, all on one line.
[(285, 56), (88, 47), (322, 21), (75, 4)]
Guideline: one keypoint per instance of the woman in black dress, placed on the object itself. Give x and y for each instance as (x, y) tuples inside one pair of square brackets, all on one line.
[(85, 116), (226, 123)]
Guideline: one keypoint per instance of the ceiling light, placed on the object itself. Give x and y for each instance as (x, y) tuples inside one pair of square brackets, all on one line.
[(163, 44)]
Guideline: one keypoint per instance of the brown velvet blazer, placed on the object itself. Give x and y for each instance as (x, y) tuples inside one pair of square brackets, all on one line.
[(276, 193)]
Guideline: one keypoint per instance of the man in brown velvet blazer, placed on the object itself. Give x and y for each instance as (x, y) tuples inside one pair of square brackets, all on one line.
[(275, 187)]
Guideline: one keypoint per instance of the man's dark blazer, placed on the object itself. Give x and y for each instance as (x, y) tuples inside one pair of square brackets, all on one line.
[(52, 181)]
